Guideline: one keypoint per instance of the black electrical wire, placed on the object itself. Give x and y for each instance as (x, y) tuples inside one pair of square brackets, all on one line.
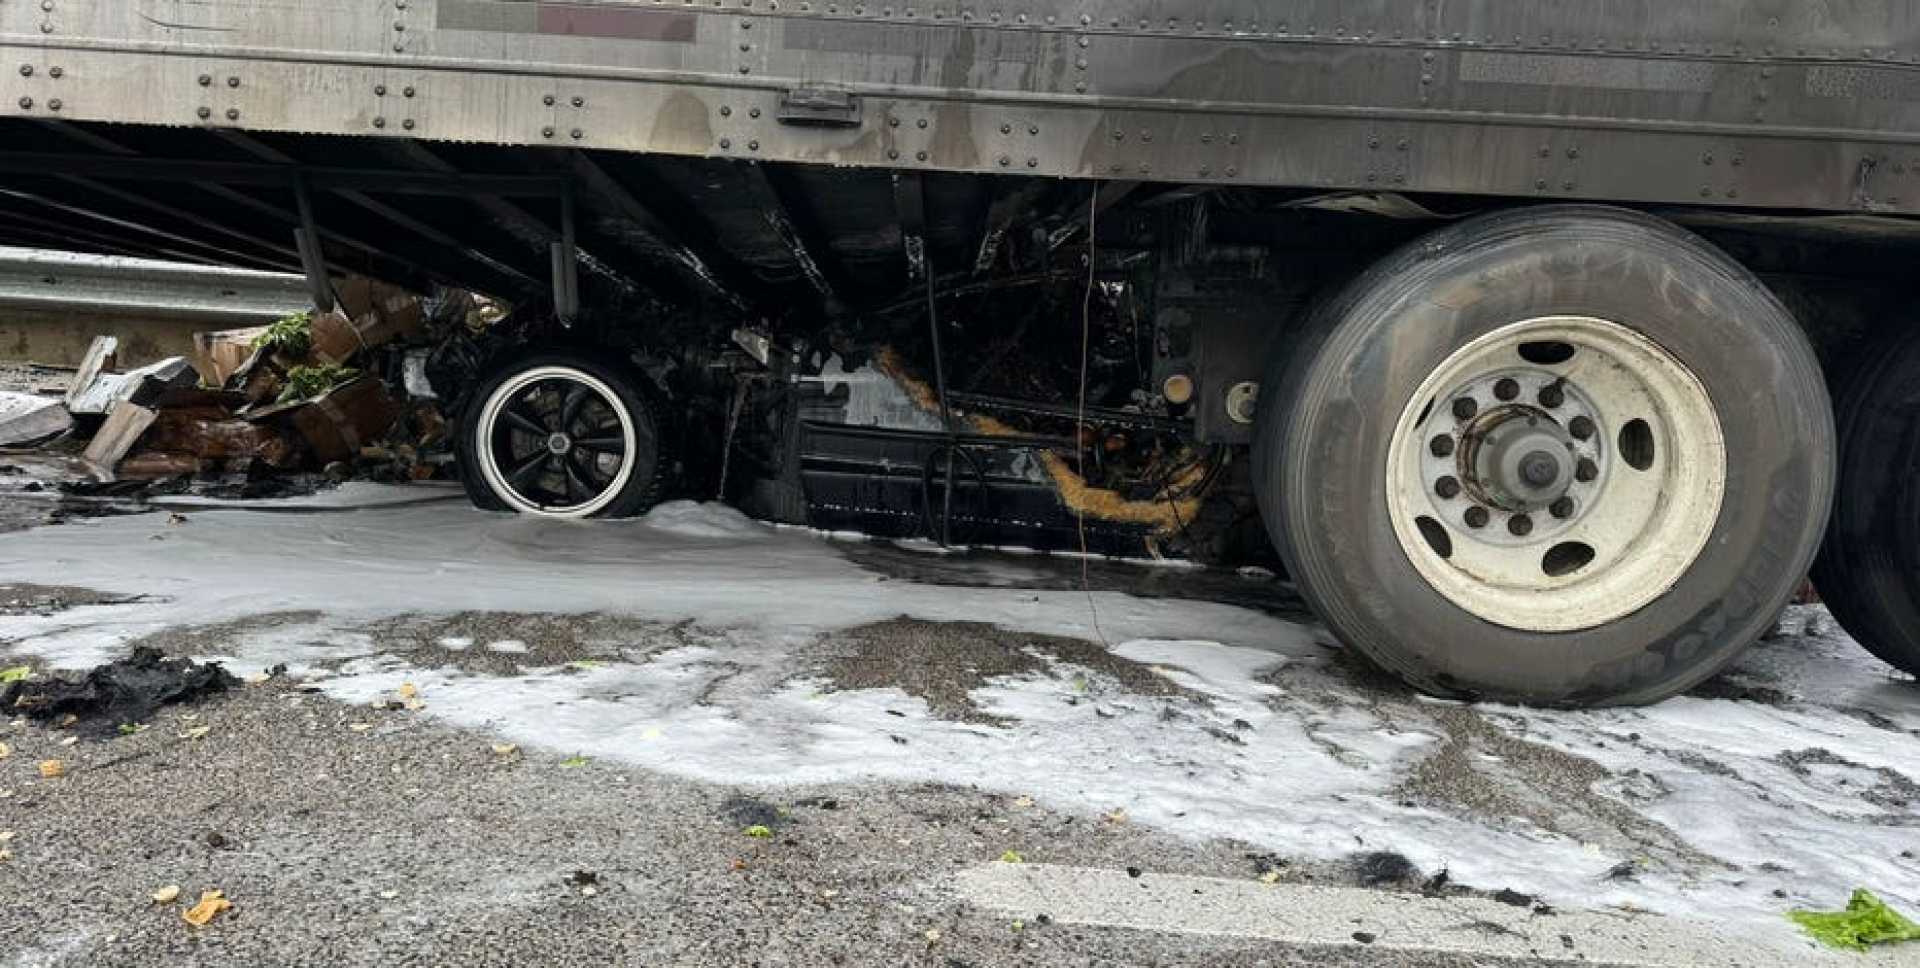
[(945, 533)]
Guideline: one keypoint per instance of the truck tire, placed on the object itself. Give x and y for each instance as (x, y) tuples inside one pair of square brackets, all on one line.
[(561, 434), (1565, 455), (1868, 572)]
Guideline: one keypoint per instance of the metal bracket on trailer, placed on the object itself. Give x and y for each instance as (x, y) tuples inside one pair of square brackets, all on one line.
[(313, 261), (566, 263)]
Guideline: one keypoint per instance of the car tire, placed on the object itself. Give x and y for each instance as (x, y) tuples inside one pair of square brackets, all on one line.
[(561, 434)]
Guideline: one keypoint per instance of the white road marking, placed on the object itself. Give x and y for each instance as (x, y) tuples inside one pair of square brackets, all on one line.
[(1355, 917)]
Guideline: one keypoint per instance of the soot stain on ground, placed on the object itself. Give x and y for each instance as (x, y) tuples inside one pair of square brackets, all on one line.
[(942, 663)]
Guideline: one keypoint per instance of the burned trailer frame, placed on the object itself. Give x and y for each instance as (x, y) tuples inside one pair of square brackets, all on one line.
[(1441, 298)]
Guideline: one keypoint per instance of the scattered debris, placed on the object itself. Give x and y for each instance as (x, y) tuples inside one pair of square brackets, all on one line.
[(167, 895), (1513, 898), (308, 382), (1012, 857), (14, 674), (750, 812), (116, 437), (574, 762), (1384, 868), (211, 904), (1867, 921), (126, 690), (108, 390), (305, 394), (1626, 870), (289, 337), (27, 419), (99, 359), (758, 832), (218, 355), (52, 769), (505, 749)]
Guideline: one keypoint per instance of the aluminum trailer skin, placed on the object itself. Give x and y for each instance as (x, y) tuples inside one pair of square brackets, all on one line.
[(1507, 325)]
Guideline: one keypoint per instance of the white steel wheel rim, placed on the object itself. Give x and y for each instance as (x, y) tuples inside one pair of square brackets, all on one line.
[(496, 410), (1643, 486)]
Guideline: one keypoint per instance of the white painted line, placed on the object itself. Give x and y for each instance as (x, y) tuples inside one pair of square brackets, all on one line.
[(1355, 917)]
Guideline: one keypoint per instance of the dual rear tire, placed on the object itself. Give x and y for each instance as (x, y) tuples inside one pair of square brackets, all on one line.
[(1564, 456), (1868, 572)]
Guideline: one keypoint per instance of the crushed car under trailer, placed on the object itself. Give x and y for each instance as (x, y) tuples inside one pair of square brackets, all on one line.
[(1509, 326)]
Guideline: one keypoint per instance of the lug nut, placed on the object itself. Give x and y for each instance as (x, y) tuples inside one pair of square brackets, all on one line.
[(1507, 388), (1520, 525), (1447, 487), (1586, 470), (1552, 396), (1562, 508), (1477, 517), (1442, 446), (1465, 407), (1580, 427)]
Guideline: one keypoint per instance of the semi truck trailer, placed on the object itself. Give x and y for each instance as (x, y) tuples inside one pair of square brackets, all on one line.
[(1544, 343)]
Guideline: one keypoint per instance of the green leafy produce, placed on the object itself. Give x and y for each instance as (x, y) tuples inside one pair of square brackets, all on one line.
[(291, 336), (758, 832), (1867, 921), (307, 382), (14, 674)]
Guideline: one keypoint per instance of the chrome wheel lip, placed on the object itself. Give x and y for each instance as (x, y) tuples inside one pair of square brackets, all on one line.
[(1645, 528), (492, 412)]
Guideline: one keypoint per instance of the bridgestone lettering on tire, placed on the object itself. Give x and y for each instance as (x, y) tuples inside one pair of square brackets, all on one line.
[(1566, 455), (561, 435)]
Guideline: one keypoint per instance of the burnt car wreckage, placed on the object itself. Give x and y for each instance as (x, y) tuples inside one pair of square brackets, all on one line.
[(1510, 324)]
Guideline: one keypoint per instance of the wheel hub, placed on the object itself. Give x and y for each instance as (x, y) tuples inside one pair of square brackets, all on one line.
[(1517, 459), (558, 444), (1556, 474)]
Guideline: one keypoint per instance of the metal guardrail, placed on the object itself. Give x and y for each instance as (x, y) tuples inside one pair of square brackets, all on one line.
[(48, 280)]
